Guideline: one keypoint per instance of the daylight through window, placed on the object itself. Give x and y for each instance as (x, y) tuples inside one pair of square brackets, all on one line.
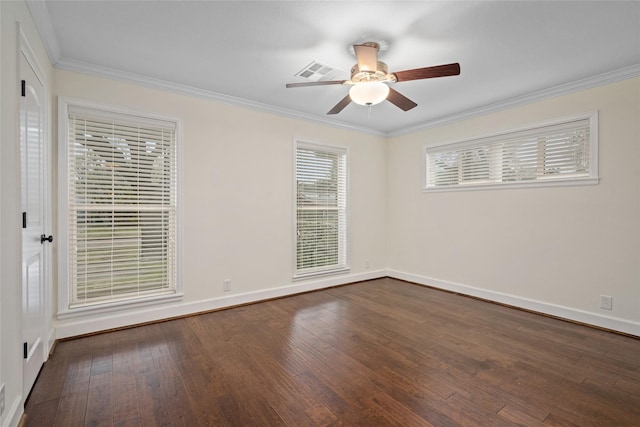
[(321, 198), (562, 152), (121, 207)]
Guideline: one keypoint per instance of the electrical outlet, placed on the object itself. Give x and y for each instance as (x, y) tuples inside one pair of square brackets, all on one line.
[(606, 302), (2, 399), (226, 285)]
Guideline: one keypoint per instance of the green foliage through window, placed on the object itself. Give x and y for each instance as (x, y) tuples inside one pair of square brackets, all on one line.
[(320, 208), (122, 208)]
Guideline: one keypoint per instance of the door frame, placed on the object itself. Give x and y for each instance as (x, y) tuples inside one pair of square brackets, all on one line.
[(25, 49)]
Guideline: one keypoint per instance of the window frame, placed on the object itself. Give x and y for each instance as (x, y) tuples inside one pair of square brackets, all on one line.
[(545, 181), (106, 111), (339, 268)]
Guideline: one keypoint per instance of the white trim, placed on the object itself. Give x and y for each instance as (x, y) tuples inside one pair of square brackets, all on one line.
[(551, 181), (326, 146), (513, 185), (565, 89), (119, 110), (609, 322), (70, 328), (42, 20), (51, 339), (40, 15), (25, 49), (47, 174), (294, 207), (64, 103), (74, 327), (305, 276), (63, 211), (594, 147), (85, 311), (14, 414), (472, 140), (153, 83), (517, 101), (333, 148)]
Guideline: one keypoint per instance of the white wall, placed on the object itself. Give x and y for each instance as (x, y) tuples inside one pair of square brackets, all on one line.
[(238, 198), (555, 250), (10, 232)]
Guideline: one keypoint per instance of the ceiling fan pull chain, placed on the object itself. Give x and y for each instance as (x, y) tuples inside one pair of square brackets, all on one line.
[(369, 112)]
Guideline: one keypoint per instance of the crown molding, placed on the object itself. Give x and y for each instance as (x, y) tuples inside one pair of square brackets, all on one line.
[(40, 14), (153, 83), (565, 89), (583, 84)]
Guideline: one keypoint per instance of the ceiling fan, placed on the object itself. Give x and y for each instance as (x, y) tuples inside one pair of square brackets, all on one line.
[(369, 78)]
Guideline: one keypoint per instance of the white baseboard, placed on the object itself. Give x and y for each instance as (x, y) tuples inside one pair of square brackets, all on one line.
[(51, 340), (15, 413), (89, 324), (595, 319)]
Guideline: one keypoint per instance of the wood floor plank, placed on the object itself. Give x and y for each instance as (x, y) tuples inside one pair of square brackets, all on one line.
[(289, 399), (382, 352), (100, 401), (386, 407), (124, 392), (72, 410), (42, 413), (49, 380), (153, 409), (523, 414)]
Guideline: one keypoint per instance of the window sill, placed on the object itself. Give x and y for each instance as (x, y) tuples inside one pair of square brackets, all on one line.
[(506, 185), (311, 275), (110, 307)]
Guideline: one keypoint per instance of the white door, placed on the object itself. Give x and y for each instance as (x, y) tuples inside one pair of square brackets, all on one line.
[(32, 151)]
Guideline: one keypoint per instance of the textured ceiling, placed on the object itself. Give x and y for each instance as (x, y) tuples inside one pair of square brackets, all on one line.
[(246, 51)]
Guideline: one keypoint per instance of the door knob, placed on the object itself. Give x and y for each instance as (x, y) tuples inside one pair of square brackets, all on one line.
[(44, 238)]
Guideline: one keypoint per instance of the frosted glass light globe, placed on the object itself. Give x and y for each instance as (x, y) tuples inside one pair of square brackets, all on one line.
[(369, 93)]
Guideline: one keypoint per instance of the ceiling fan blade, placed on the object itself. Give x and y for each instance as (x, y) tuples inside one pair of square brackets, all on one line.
[(428, 72), (367, 55), (340, 105), (320, 83), (400, 101)]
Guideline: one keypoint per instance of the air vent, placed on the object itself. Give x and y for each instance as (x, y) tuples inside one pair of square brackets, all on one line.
[(317, 72)]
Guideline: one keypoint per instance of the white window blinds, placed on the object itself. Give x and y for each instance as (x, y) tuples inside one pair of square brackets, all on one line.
[(321, 201), (563, 151), (122, 207)]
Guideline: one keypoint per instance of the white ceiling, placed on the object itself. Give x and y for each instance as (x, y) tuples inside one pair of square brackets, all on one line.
[(246, 51)]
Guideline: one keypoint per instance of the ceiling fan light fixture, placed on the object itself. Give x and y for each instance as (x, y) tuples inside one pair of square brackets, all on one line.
[(369, 77), (368, 93)]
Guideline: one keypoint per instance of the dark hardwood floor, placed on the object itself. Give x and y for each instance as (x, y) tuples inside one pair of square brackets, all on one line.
[(375, 353)]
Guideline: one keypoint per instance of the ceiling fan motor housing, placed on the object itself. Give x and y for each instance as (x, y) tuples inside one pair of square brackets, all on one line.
[(381, 73), (370, 78)]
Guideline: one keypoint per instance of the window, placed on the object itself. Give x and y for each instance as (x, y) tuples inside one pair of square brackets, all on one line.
[(121, 206), (563, 152), (321, 214)]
